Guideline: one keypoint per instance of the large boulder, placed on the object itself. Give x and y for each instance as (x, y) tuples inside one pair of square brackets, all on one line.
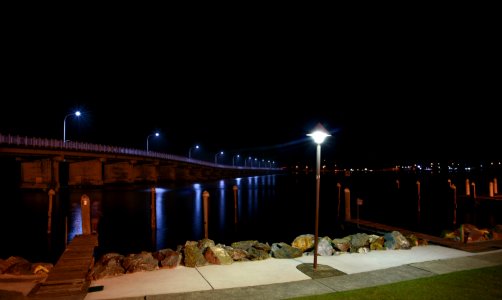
[(304, 242)]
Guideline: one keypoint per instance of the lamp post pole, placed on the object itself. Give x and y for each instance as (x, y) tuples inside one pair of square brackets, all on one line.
[(77, 114), (156, 134), (190, 151), (233, 159), (216, 157), (317, 189), (319, 134)]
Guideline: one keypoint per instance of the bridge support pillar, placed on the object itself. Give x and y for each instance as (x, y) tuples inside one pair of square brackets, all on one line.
[(86, 173), (120, 172), (167, 172), (40, 174), (146, 172)]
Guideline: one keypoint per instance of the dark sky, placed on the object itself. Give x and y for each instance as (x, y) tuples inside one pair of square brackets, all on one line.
[(388, 95)]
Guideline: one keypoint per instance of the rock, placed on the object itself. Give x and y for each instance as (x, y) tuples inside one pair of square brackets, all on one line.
[(193, 256), (143, 261), (41, 268), (217, 256), (395, 240), (283, 250), (304, 242), (244, 245)]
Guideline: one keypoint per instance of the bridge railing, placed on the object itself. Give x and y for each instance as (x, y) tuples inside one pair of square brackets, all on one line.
[(34, 142)]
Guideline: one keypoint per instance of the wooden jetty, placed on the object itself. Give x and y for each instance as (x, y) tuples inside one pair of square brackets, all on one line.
[(69, 277), (479, 246)]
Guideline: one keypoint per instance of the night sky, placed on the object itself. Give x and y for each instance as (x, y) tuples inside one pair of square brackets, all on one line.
[(386, 97)]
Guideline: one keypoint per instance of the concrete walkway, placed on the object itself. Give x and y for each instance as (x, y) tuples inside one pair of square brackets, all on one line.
[(286, 278)]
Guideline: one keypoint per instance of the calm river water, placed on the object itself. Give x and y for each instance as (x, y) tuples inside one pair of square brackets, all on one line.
[(272, 208)]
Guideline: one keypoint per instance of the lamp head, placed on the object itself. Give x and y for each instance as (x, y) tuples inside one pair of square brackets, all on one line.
[(319, 134)]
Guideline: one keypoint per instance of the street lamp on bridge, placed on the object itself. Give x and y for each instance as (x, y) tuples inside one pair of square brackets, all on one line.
[(76, 114), (250, 159), (190, 151), (216, 157), (233, 159), (155, 134), (319, 135)]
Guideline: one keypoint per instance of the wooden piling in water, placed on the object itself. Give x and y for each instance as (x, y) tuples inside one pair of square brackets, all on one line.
[(235, 203), (49, 212), (205, 197), (85, 206), (153, 209), (347, 204)]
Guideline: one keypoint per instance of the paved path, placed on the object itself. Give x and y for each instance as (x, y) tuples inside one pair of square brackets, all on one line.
[(282, 278)]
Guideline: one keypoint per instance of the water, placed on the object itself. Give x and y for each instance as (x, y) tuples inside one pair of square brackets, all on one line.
[(272, 208)]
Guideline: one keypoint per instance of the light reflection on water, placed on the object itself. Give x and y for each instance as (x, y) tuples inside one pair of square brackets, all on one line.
[(273, 208), (221, 204), (75, 226), (198, 211), (159, 216)]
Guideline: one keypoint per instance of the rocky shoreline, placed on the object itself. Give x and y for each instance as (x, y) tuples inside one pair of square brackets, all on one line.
[(206, 251)]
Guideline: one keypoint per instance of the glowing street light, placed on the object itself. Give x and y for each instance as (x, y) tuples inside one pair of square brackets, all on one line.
[(216, 157), (190, 151), (76, 114), (319, 134), (155, 134)]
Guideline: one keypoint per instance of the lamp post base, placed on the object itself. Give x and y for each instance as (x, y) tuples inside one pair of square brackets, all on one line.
[(321, 271)]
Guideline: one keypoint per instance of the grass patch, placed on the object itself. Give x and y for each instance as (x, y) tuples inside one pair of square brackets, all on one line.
[(483, 283)]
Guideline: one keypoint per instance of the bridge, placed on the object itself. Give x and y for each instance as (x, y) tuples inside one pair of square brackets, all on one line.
[(50, 163)]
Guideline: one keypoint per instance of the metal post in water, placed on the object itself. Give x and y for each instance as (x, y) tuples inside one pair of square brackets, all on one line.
[(467, 188), (86, 214), (49, 213), (490, 189), (153, 209), (339, 186), (359, 203), (418, 202), (153, 216), (205, 197), (454, 188), (65, 232), (347, 204), (495, 187), (235, 204), (473, 190)]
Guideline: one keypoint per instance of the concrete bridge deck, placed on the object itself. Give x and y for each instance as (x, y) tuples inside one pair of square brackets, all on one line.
[(46, 163)]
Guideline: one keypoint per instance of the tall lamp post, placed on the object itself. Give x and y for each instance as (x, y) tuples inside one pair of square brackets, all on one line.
[(76, 114), (190, 151), (155, 134), (319, 134), (216, 157)]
